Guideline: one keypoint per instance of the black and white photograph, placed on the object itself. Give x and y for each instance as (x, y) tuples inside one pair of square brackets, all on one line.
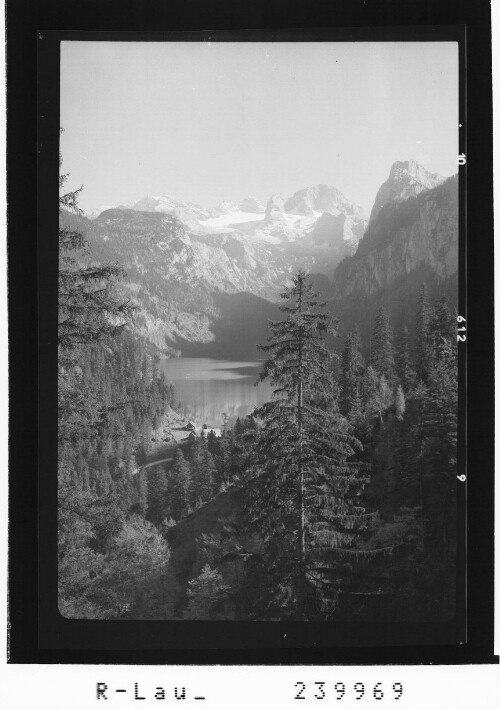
[(259, 331), (250, 354)]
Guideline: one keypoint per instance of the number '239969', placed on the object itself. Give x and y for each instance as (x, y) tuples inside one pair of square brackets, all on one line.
[(341, 690)]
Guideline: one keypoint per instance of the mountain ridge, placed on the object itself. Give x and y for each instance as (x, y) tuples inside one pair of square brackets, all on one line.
[(407, 178), (282, 220), (180, 267), (409, 242)]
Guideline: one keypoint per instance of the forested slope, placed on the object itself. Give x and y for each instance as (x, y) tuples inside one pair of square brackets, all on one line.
[(334, 501)]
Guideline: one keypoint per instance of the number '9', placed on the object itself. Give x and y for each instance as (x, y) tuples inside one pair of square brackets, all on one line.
[(360, 689), (398, 689), (340, 688)]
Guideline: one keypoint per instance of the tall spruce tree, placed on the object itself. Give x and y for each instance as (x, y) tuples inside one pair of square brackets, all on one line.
[(206, 595), (203, 472), (381, 346), (404, 364), (225, 452), (351, 370), (305, 504), (442, 328), (178, 486), (158, 498), (422, 335), (399, 403), (89, 310)]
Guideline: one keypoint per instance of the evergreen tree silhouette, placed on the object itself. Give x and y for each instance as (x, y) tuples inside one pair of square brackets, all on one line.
[(381, 346), (305, 503)]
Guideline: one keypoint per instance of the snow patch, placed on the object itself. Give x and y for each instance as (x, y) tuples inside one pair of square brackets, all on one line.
[(232, 219)]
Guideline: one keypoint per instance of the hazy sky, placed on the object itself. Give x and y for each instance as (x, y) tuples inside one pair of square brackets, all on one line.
[(203, 122)]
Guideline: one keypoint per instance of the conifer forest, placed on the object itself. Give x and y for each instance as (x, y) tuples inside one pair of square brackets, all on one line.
[(335, 500)]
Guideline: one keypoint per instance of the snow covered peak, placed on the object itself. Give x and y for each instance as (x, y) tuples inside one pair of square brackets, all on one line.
[(228, 206), (321, 198), (283, 221), (275, 207), (251, 204)]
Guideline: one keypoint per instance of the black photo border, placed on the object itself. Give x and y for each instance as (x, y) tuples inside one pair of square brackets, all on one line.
[(38, 632)]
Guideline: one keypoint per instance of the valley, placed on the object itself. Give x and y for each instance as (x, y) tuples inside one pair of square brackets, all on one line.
[(258, 370), (207, 280), (207, 286)]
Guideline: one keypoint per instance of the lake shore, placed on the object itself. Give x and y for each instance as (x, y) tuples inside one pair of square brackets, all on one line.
[(209, 389)]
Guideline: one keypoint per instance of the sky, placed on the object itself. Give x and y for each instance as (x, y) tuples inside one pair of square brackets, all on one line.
[(208, 121)]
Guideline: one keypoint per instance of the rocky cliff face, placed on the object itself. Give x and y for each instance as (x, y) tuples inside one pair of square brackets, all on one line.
[(403, 236), (406, 179), (409, 241), (275, 208), (175, 276), (156, 243), (250, 204), (321, 198)]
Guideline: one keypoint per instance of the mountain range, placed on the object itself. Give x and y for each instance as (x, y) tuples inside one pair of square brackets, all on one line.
[(282, 221), (201, 276)]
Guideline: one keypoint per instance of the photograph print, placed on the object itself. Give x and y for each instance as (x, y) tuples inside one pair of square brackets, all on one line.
[(258, 331)]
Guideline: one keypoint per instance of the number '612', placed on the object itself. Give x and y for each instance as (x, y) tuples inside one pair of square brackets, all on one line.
[(461, 330)]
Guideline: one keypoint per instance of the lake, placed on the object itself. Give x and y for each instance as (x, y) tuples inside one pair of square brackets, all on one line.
[(207, 387)]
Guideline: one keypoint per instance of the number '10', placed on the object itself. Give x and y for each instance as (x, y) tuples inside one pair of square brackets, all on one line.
[(341, 690)]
